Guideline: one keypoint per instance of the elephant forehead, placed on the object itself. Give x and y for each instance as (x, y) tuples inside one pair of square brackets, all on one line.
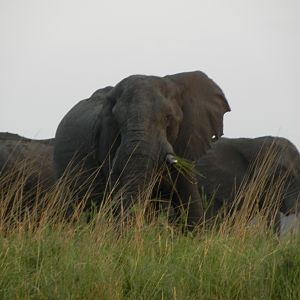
[(149, 107)]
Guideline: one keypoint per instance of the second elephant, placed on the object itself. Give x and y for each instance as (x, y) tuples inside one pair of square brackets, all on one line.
[(231, 164)]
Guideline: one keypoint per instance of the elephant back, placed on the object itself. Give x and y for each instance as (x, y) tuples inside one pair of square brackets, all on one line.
[(29, 156), (26, 169)]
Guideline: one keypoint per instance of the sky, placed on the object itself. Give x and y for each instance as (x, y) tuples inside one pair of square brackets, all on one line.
[(56, 53)]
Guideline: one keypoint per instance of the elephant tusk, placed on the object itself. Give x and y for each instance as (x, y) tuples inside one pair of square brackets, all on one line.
[(171, 159)]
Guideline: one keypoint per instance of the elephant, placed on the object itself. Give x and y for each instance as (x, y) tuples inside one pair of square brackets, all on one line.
[(232, 164), (124, 134), (26, 169)]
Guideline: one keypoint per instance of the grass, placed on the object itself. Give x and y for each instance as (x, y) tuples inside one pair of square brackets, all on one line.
[(44, 257), (146, 263), (186, 168)]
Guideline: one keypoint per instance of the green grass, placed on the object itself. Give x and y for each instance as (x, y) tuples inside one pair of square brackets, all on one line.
[(146, 262), (186, 168)]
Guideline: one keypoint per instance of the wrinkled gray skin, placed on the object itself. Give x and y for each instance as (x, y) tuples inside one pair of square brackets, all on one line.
[(33, 159), (229, 161), (131, 128)]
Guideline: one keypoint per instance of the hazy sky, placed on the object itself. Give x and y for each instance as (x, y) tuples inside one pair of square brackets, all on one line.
[(55, 53)]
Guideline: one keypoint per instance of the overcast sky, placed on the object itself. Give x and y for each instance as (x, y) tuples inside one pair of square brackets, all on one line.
[(54, 53)]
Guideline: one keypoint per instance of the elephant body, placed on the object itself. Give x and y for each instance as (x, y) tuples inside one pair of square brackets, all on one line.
[(25, 163), (231, 163), (118, 138)]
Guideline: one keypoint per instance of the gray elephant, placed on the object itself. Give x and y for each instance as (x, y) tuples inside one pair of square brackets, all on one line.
[(123, 134), (231, 164), (26, 169)]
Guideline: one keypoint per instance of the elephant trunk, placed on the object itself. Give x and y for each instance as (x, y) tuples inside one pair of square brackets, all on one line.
[(133, 167)]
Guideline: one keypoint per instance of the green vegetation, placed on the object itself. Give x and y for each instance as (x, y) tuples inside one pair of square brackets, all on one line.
[(147, 262), (44, 257)]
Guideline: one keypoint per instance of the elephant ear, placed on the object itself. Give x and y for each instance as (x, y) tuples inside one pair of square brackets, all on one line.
[(106, 136), (203, 105)]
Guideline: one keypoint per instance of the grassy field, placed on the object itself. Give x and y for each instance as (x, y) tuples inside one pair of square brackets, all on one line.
[(147, 262), (44, 257)]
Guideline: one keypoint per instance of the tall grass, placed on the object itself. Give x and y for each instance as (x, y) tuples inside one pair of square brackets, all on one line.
[(45, 256)]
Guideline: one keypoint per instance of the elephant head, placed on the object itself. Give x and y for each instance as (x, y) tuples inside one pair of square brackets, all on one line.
[(144, 121)]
